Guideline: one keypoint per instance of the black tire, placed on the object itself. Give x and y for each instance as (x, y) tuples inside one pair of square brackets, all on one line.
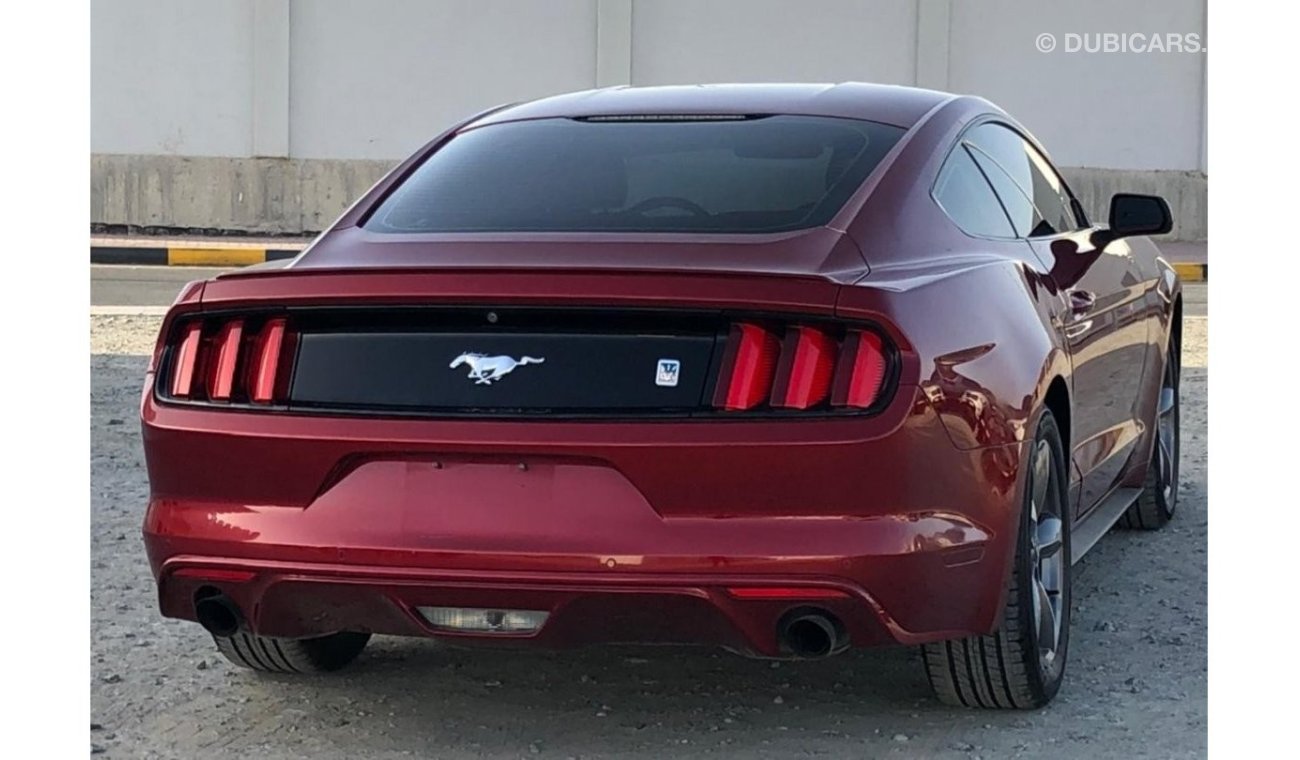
[(271, 655), (1155, 505), (1008, 669)]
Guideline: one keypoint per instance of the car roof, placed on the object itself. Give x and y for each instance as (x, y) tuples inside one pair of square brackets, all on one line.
[(887, 104)]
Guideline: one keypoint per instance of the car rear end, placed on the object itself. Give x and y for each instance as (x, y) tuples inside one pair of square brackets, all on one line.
[(555, 403), (314, 457)]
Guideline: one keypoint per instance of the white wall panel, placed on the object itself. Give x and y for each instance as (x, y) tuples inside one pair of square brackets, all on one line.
[(350, 86), (378, 79), (684, 42), (171, 77), (1112, 110)]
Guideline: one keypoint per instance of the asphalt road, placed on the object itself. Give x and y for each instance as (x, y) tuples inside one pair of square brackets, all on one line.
[(116, 286), (1137, 680), (112, 285)]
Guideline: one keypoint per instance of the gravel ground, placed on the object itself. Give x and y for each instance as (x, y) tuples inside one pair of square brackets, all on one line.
[(1136, 687)]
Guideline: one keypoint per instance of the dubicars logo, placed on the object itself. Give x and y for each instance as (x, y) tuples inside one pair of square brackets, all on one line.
[(485, 370)]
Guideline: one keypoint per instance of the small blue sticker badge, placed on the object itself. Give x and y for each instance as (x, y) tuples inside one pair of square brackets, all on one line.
[(668, 372)]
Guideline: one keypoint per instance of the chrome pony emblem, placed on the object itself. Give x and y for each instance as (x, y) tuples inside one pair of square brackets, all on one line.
[(485, 370)]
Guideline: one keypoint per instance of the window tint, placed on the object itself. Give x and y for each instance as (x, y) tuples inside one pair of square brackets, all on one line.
[(967, 198), (1032, 173), (1024, 216), (723, 174)]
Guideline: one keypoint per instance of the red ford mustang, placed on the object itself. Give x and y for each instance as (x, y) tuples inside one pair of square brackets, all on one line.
[(786, 369)]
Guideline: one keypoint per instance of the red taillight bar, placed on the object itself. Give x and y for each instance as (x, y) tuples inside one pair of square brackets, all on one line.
[(747, 368), (187, 356), (803, 377), (862, 370), (812, 368), (236, 361), (266, 362), (223, 370)]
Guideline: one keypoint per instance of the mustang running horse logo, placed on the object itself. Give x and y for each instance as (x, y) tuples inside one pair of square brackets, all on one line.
[(484, 369)]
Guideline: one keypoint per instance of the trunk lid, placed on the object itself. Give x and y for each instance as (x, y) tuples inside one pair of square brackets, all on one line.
[(528, 328), (818, 252)]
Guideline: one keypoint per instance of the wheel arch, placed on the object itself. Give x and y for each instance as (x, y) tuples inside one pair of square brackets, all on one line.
[(1176, 320), (1057, 400), (1135, 471)]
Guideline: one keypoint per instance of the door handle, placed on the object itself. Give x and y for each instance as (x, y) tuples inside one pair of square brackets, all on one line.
[(1082, 301)]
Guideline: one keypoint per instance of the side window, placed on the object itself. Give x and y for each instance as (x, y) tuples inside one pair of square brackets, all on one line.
[(1024, 216), (1032, 173), (967, 198)]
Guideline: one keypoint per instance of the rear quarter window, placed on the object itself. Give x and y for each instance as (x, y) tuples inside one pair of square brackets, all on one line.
[(963, 192), (1032, 173)]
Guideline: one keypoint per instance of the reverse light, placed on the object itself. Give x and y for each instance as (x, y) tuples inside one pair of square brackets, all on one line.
[(473, 620), (748, 367)]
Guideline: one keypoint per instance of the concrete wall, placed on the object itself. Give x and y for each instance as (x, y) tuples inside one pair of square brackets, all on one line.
[(378, 79), (273, 115), (1117, 111), (171, 78), (681, 42)]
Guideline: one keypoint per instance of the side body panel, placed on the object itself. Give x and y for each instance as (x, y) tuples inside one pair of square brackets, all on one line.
[(1106, 346), (1112, 318)]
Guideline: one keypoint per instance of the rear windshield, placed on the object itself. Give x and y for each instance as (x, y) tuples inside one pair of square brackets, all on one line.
[(746, 174)]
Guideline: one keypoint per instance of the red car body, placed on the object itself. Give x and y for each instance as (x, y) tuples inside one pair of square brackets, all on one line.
[(704, 528)]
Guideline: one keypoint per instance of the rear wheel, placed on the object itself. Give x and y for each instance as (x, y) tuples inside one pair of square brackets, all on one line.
[(1021, 665), (1155, 506), (272, 655)]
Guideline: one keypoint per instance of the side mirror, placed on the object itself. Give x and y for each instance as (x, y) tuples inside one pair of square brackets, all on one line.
[(1132, 214)]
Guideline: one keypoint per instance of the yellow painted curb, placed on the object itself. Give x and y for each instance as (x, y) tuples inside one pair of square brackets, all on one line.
[(1192, 272), (215, 257)]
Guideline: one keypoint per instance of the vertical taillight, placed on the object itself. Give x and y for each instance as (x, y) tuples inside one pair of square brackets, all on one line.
[(187, 357), (747, 368), (226, 346), (266, 362), (230, 360), (862, 370), (814, 367), (803, 376)]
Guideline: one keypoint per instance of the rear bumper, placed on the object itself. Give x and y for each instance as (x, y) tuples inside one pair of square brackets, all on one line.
[(627, 532), (297, 600)]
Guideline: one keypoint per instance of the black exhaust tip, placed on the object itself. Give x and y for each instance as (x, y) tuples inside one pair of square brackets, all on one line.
[(218, 615), (810, 634)]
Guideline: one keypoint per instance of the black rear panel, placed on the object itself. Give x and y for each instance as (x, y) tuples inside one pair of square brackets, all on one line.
[(502, 372), (509, 361), (471, 361)]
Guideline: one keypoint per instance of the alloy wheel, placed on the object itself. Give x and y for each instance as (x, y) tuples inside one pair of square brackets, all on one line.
[(1166, 456), (1046, 555)]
